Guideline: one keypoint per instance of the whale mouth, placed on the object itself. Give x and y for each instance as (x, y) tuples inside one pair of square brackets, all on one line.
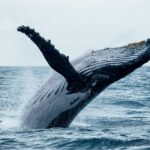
[(134, 45), (138, 44)]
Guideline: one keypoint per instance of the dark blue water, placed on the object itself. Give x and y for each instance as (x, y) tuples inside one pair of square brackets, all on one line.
[(119, 118)]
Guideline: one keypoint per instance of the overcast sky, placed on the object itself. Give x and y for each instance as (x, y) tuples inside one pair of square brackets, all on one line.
[(73, 26)]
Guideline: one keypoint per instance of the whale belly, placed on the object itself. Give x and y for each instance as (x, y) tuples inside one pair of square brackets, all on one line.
[(53, 106)]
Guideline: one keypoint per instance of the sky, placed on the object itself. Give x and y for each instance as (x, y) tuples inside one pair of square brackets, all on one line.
[(73, 26)]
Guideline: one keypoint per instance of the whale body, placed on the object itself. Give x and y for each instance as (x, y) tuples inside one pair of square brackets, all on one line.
[(77, 83)]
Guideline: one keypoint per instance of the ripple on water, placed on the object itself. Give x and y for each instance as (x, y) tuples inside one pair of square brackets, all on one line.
[(125, 103)]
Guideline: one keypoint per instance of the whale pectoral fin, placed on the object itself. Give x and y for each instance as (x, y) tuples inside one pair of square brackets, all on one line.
[(59, 62)]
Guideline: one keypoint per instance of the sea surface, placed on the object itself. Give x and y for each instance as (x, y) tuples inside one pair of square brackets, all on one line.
[(119, 118)]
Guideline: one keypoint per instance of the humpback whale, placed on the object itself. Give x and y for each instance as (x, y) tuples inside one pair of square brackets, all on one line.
[(75, 84)]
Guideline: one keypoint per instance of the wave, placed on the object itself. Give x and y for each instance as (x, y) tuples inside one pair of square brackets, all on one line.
[(99, 143), (126, 103)]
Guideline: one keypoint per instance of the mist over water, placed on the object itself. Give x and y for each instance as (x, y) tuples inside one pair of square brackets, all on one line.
[(119, 118)]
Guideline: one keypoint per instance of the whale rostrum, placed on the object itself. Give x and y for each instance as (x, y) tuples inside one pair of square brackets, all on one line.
[(76, 83)]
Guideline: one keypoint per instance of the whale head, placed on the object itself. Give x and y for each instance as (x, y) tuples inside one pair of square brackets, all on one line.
[(103, 67)]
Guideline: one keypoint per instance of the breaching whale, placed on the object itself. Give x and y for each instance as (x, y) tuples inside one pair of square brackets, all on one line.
[(74, 84)]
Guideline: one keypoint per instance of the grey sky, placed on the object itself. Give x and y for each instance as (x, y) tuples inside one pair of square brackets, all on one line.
[(74, 26)]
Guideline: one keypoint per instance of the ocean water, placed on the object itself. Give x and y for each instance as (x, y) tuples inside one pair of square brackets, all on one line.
[(119, 118)]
